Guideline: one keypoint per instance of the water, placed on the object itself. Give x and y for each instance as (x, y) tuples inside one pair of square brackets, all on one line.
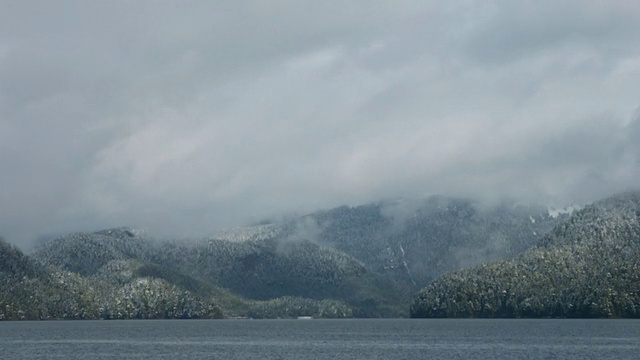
[(322, 339)]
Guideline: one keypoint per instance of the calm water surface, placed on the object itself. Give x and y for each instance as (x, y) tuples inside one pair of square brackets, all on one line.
[(322, 339)]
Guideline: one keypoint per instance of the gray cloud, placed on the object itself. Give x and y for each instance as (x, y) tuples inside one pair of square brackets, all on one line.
[(189, 117)]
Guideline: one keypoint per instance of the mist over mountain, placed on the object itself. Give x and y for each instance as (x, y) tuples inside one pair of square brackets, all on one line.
[(471, 260), (414, 241), (364, 261), (188, 118), (175, 124), (586, 266)]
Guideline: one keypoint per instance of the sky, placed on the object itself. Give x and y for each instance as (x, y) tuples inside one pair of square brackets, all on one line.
[(189, 117)]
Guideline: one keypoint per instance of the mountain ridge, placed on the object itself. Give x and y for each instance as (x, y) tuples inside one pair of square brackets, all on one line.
[(362, 261), (586, 266)]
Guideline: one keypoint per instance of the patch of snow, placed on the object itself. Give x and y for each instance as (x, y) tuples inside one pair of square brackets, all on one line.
[(554, 213), (247, 233), (406, 267)]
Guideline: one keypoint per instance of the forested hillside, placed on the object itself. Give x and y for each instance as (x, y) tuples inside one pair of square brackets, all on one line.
[(31, 290), (415, 241), (588, 266), (365, 261), (240, 276)]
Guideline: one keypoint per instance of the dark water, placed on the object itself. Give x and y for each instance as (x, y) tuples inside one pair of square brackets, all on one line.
[(322, 339)]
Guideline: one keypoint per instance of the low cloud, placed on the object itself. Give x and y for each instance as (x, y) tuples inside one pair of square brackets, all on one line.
[(190, 117)]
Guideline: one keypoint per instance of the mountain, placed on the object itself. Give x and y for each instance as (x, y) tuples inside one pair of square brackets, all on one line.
[(20, 277), (32, 290), (415, 241), (267, 269), (408, 242), (363, 261), (239, 274), (587, 266)]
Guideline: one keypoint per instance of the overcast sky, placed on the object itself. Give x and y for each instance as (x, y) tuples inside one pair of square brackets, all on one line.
[(187, 117)]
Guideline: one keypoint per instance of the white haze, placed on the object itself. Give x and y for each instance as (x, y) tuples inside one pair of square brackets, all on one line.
[(187, 117)]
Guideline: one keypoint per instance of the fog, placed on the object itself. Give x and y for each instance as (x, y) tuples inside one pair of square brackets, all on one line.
[(190, 117)]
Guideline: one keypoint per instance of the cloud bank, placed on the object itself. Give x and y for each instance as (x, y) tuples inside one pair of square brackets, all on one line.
[(193, 116)]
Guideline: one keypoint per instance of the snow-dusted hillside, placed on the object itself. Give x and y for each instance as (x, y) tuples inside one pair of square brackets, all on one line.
[(364, 261), (588, 266)]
